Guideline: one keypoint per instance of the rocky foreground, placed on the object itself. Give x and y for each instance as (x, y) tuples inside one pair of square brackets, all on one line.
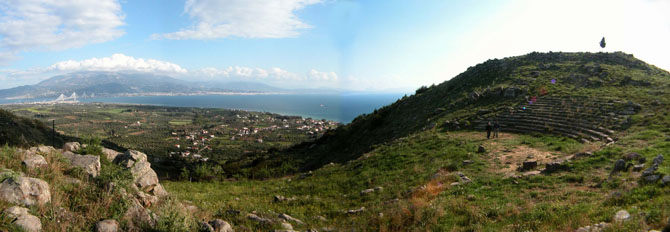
[(24, 193)]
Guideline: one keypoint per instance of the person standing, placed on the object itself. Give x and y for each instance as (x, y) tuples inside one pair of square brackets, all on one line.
[(488, 130), (496, 129)]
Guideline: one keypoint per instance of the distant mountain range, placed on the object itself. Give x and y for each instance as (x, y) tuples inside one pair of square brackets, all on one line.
[(109, 84)]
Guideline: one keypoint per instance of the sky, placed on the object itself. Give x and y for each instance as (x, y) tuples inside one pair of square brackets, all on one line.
[(387, 46)]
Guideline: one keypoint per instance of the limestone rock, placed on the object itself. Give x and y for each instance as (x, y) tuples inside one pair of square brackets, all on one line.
[(90, 163), (356, 211), (366, 191), (555, 167), (288, 218), (145, 178), (658, 160), (110, 154), (279, 198), (666, 180), (23, 219), (43, 149), (256, 218), (217, 225), (650, 179), (621, 216), (108, 225), (638, 167), (35, 161), (25, 191), (286, 226), (71, 146), (138, 215), (481, 149)]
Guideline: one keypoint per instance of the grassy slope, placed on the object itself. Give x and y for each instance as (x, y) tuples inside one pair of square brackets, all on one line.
[(392, 149), (602, 75)]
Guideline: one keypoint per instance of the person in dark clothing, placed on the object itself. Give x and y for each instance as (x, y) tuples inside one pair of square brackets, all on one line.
[(488, 130), (496, 129)]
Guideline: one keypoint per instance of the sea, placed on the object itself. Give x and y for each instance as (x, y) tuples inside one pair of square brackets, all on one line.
[(337, 107)]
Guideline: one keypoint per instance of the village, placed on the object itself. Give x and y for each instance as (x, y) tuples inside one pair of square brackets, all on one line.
[(195, 143)]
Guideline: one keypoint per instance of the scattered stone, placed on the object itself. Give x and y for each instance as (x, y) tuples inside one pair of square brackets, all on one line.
[(233, 212), (642, 160), (463, 177), (110, 154), (658, 160), (582, 154), (90, 163), (217, 225), (286, 226), (288, 218), (311, 230), (619, 165), (638, 167), (71, 146), (650, 170), (321, 218), (355, 211), (35, 161), (594, 228), (555, 167), (481, 149), (279, 198), (467, 162), (621, 216), (632, 156), (376, 189), (108, 225), (666, 180), (25, 191), (256, 218), (23, 219), (650, 179), (529, 165)]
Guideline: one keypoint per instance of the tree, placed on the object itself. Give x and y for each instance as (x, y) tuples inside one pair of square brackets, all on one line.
[(602, 42)]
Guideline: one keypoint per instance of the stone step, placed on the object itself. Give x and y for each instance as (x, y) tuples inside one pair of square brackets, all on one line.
[(554, 121), (542, 127), (547, 124)]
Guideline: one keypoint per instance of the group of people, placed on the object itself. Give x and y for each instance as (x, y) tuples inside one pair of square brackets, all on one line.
[(495, 127)]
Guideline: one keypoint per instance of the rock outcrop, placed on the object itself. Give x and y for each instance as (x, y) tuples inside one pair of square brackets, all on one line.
[(25, 191), (23, 219), (90, 163), (34, 161), (217, 225), (145, 178), (71, 146), (108, 225)]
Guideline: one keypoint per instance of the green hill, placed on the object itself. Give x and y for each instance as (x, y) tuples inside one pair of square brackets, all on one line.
[(487, 88)]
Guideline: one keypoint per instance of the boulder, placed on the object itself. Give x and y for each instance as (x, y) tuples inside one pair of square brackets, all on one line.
[(108, 225), (90, 163), (217, 225), (621, 216), (136, 215), (25, 191), (288, 218), (279, 198), (481, 149), (145, 178), (650, 170), (23, 219), (35, 161), (582, 154), (71, 146), (665, 181), (463, 177), (619, 165), (287, 226), (638, 167), (110, 154), (529, 165), (43, 149)]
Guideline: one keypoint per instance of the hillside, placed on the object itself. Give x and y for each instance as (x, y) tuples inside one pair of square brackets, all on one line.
[(586, 155), (486, 90)]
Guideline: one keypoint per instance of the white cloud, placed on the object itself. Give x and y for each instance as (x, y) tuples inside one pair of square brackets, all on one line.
[(118, 62), (216, 19), (324, 76), (29, 25)]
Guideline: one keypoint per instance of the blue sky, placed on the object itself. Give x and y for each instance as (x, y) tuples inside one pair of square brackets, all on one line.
[(359, 45)]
